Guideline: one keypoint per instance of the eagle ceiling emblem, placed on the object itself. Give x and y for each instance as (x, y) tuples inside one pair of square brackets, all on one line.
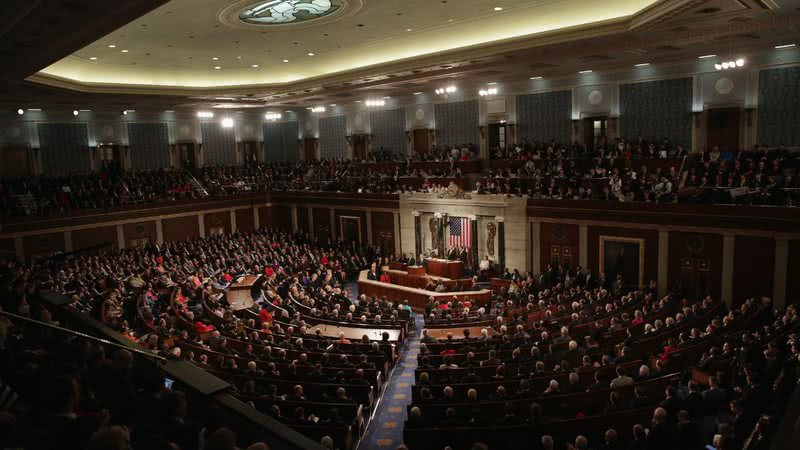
[(279, 12)]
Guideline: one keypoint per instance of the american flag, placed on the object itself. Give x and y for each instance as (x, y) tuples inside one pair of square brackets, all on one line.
[(460, 232)]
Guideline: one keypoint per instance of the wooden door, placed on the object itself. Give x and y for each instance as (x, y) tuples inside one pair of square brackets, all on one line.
[(249, 152), (562, 255), (310, 149), (15, 162), (497, 135), (360, 146), (722, 128), (185, 157), (422, 141)]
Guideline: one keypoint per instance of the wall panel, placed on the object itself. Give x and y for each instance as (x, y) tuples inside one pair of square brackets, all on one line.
[(697, 248), (322, 224), (138, 231), (778, 113), (91, 237), (216, 220), (388, 130), (792, 269), (245, 223), (457, 123), (753, 263), (149, 145), (181, 228), (332, 137), (559, 235), (656, 110), (280, 141), (42, 245), (64, 148), (650, 247), (219, 144), (545, 116), (302, 219)]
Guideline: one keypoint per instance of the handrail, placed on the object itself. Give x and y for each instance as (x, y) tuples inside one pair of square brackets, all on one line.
[(83, 335)]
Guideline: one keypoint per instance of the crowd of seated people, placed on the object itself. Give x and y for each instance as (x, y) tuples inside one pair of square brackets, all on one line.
[(621, 148), (171, 300), (616, 369), (761, 176), (463, 152), (72, 392), (45, 195)]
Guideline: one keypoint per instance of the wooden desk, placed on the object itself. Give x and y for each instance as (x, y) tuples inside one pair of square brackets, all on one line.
[(238, 293), (445, 268), (458, 332), (417, 298), (416, 270)]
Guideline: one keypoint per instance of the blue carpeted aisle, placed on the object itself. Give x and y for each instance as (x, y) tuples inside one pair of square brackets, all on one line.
[(386, 428)]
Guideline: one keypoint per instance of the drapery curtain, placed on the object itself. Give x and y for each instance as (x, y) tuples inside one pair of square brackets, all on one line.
[(545, 116), (280, 141), (219, 144), (149, 145), (332, 137), (64, 147), (457, 123), (388, 130), (778, 113), (656, 110)]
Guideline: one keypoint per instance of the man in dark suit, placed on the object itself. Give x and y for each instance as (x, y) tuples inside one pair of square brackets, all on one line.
[(411, 261), (373, 274)]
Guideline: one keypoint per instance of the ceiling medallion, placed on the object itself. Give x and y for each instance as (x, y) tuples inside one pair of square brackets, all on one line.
[(288, 11), (278, 14)]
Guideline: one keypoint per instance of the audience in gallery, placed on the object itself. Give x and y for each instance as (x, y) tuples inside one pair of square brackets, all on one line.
[(761, 176)]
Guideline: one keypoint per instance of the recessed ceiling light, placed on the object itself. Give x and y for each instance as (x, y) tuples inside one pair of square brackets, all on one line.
[(112, 46), (785, 46), (409, 29), (492, 83), (169, 111), (238, 57), (217, 67), (359, 101), (310, 53), (387, 97), (536, 78), (641, 65), (93, 58), (215, 58), (449, 20), (254, 65), (706, 56), (85, 110), (285, 60), (288, 110), (227, 122), (417, 93), (498, 8), (124, 51), (20, 111), (34, 109), (585, 71), (75, 112), (332, 104)]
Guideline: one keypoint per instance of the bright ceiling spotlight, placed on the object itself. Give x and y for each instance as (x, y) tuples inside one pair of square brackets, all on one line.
[(740, 62), (205, 114), (725, 65), (782, 46), (75, 112), (227, 122), (272, 116), (375, 102), (718, 66), (20, 111), (450, 89), (318, 109)]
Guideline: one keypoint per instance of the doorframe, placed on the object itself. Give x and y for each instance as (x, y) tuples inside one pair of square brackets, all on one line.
[(702, 141)]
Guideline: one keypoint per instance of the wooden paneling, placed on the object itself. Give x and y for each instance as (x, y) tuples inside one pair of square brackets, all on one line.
[(362, 215), (302, 219), (650, 247), (139, 231), (266, 217), (563, 236), (244, 220), (692, 250), (792, 269), (181, 228), (281, 217), (383, 231), (214, 221), (86, 238), (42, 245), (322, 223), (754, 259), (7, 248)]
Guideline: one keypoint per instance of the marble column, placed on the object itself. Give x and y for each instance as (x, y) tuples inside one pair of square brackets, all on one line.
[(334, 226), (417, 235), (120, 237), (159, 232), (256, 219), (728, 243), (536, 231), (68, 241), (368, 214), (781, 266), (311, 222), (501, 243), (233, 220), (19, 249), (201, 223), (294, 218), (473, 223), (583, 246), (663, 262), (397, 236)]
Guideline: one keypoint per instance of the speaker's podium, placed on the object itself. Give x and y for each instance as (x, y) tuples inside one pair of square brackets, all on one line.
[(445, 268)]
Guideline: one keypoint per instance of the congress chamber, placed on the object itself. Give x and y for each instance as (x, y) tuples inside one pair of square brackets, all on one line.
[(403, 225)]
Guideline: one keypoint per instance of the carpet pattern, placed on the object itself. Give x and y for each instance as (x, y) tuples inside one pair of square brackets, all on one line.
[(386, 429)]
